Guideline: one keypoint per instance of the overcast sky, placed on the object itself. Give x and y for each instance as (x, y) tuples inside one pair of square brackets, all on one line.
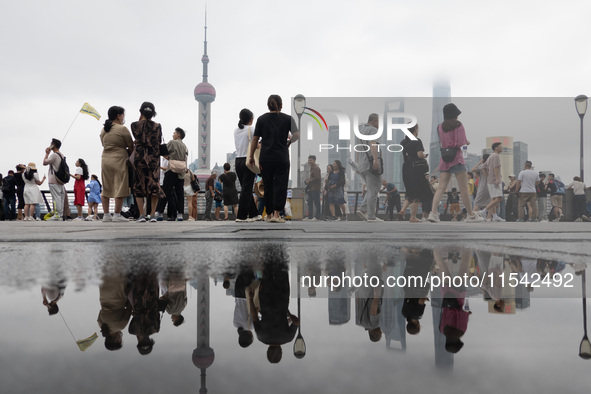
[(57, 55)]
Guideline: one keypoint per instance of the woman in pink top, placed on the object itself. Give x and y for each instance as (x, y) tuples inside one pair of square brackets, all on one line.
[(452, 134)]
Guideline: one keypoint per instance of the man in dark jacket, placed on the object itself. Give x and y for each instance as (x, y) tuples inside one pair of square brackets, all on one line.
[(9, 192)]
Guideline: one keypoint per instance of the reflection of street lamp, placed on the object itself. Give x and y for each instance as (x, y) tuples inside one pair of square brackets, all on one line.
[(299, 346), (585, 347), (299, 105), (581, 106)]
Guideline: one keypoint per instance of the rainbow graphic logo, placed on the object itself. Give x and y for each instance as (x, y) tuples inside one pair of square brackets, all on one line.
[(315, 118)]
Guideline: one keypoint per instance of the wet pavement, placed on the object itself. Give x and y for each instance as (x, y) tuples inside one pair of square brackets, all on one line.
[(129, 282)]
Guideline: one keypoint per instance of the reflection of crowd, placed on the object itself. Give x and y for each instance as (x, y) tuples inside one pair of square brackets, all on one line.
[(138, 298)]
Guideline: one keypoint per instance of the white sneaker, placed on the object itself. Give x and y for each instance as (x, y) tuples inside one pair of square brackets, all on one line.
[(433, 217), (497, 218), (119, 218), (362, 215), (107, 217), (483, 213), (375, 220), (55, 218), (475, 219), (78, 218), (242, 220)]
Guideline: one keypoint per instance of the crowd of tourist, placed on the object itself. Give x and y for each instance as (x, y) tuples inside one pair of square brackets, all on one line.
[(145, 177)]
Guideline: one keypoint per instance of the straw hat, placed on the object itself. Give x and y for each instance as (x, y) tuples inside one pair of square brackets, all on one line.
[(32, 166)]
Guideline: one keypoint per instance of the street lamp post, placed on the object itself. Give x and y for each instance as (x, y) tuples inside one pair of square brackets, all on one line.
[(581, 107), (299, 105)]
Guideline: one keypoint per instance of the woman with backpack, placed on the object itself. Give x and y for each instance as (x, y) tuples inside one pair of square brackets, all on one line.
[(31, 193)]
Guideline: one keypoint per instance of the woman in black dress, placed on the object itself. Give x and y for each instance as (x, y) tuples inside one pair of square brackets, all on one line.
[(413, 174)]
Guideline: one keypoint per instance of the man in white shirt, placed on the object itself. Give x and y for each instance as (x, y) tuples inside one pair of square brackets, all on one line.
[(53, 158), (526, 187)]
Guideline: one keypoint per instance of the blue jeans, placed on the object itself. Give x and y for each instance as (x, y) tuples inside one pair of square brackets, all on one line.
[(9, 207), (314, 200)]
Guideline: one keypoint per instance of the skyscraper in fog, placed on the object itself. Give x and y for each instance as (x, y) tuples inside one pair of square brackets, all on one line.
[(205, 95), (393, 160), (441, 97), (519, 155)]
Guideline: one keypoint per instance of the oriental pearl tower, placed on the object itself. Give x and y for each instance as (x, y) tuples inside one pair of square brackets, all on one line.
[(205, 95), (203, 355)]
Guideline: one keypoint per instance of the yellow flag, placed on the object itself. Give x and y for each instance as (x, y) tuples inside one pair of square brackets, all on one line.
[(89, 110), (84, 344)]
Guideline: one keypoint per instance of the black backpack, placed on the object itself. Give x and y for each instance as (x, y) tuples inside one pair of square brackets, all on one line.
[(8, 184), (63, 171)]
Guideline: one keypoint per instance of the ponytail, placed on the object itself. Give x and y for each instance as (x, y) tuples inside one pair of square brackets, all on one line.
[(113, 113), (245, 117), (274, 103)]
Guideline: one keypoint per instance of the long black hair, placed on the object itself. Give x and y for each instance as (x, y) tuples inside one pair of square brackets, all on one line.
[(94, 177), (84, 169), (341, 180), (30, 173), (245, 117), (113, 112)]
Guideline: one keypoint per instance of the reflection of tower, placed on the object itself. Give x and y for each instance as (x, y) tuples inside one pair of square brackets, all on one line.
[(441, 96), (203, 355), (391, 320), (443, 359), (205, 95)]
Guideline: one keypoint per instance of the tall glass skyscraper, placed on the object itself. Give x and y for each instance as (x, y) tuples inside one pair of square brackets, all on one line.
[(519, 155)]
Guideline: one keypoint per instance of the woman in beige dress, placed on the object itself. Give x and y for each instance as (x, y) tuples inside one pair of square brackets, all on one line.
[(117, 146)]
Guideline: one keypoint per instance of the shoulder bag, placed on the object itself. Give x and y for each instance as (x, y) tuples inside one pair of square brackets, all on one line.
[(447, 154), (256, 168), (380, 169)]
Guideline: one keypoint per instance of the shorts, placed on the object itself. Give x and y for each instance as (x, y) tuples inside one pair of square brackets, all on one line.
[(556, 200), (455, 169), (495, 191), (218, 204), (455, 208)]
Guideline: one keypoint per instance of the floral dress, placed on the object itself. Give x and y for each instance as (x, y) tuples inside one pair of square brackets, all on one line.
[(148, 135)]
